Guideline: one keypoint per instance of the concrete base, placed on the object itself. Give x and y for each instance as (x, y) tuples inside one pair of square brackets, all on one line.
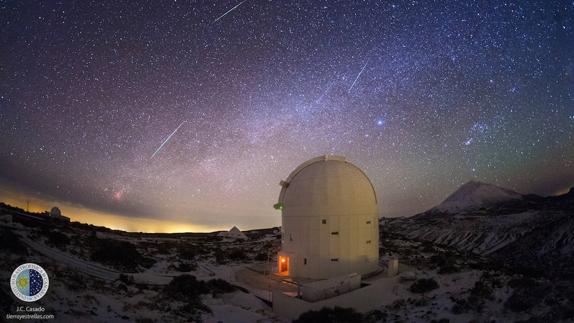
[(375, 294)]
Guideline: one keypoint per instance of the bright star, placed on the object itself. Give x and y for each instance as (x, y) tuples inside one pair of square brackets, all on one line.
[(380, 122)]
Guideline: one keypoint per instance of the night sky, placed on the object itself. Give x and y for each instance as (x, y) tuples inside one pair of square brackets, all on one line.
[(36, 282), (422, 95)]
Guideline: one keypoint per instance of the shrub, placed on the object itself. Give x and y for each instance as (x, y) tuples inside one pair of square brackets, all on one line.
[(398, 304), (186, 267), (187, 286), (427, 246), (237, 254), (525, 297), (73, 279), (518, 303), (187, 252), (126, 279), (445, 263), (439, 260), (331, 315), (521, 283), (121, 255), (187, 289), (220, 257), (219, 286), (481, 291), (194, 306), (423, 285), (419, 301), (164, 248), (449, 269), (528, 271), (261, 257), (57, 239), (144, 320), (11, 242), (460, 306), (224, 256), (376, 316)]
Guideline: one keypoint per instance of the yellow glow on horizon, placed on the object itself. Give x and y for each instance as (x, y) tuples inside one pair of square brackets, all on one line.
[(562, 191), (109, 220)]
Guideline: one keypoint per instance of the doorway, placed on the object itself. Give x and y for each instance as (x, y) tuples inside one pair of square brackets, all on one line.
[(283, 265)]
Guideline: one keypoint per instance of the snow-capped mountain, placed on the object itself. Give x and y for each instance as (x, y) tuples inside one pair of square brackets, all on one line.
[(474, 195), (489, 220)]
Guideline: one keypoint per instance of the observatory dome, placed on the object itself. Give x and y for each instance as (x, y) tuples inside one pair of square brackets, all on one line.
[(329, 220), (55, 212)]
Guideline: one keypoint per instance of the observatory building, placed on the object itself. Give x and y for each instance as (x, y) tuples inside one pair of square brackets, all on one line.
[(55, 213), (329, 221)]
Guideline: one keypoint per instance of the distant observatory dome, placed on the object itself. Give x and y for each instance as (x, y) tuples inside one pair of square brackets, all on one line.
[(55, 212), (329, 220)]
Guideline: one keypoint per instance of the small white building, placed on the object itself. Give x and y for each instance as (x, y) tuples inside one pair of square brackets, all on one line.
[(393, 267), (330, 224), (233, 233), (55, 213)]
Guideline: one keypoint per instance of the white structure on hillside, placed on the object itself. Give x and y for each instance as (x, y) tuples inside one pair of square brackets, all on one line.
[(330, 225), (393, 267), (55, 213), (233, 233)]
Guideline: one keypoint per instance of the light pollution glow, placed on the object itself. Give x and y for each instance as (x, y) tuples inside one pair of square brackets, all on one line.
[(90, 90), (99, 218)]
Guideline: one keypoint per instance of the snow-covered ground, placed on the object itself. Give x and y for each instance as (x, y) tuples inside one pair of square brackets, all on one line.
[(87, 288), (84, 290)]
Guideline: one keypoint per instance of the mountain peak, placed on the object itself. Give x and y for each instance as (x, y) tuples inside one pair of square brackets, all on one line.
[(475, 194)]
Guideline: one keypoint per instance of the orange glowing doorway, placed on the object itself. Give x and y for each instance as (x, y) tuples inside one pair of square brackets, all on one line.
[(283, 265)]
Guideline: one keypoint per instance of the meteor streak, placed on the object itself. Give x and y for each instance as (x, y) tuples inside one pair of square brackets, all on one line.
[(167, 139), (325, 92), (358, 75), (230, 10)]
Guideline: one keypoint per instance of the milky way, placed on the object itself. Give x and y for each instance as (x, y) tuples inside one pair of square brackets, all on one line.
[(423, 95)]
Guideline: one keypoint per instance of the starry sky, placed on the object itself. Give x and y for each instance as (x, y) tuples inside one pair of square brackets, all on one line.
[(36, 282), (193, 111)]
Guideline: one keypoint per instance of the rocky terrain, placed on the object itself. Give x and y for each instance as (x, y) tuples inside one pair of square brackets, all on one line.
[(102, 275), (487, 254), (528, 231), (525, 242)]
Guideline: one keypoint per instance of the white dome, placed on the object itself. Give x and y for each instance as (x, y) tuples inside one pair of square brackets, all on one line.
[(327, 186), (55, 212), (329, 220)]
